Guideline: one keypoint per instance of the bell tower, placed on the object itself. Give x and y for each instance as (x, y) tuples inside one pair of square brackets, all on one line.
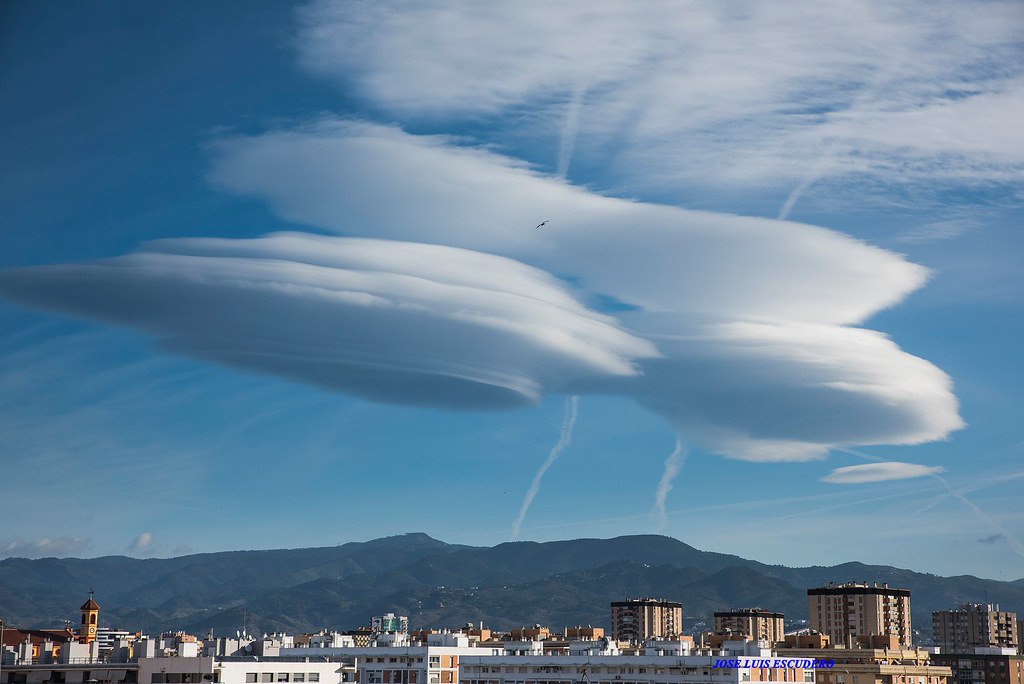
[(90, 617)]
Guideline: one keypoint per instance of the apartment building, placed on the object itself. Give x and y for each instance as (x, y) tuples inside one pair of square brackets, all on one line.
[(886, 664), (757, 624), (984, 666), (851, 613), (657, 662), (974, 625), (637, 619), (395, 659)]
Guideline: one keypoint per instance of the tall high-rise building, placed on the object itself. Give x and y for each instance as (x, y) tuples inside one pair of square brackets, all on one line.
[(853, 612), (974, 625), (757, 624), (636, 619)]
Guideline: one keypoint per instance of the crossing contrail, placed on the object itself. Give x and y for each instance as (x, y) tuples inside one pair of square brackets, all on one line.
[(1014, 543), (571, 407), (673, 464), (570, 129)]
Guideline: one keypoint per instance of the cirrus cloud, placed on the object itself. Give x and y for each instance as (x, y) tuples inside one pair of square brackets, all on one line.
[(44, 547), (702, 92), (879, 472)]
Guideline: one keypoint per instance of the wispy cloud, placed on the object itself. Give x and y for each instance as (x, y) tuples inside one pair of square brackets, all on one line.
[(44, 547), (702, 92), (879, 472), (938, 230), (141, 544)]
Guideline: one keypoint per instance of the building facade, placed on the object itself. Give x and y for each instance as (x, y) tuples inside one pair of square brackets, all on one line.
[(852, 613), (600, 662), (395, 659), (985, 666), (974, 625), (757, 624), (638, 619), (891, 665)]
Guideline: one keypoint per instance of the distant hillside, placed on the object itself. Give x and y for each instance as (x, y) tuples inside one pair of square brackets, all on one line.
[(439, 584)]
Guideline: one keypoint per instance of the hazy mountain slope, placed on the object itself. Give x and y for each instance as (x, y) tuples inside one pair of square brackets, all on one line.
[(437, 584)]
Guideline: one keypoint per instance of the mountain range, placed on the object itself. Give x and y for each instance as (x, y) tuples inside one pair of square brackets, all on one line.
[(443, 585)]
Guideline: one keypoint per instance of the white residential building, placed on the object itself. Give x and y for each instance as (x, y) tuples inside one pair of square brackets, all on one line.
[(394, 659), (245, 670), (661, 662)]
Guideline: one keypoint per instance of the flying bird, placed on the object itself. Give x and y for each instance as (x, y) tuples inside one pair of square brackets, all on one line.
[(541, 224)]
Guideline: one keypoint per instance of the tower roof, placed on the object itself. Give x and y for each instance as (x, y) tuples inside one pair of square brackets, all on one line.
[(90, 605)]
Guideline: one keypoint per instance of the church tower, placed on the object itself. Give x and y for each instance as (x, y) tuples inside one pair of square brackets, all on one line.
[(90, 617)]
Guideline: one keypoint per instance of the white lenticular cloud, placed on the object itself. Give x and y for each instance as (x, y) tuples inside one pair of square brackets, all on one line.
[(879, 472), (751, 317), (388, 321), (740, 331), (358, 178)]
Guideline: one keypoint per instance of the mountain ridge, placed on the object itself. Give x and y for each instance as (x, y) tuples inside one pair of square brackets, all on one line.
[(442, 585)]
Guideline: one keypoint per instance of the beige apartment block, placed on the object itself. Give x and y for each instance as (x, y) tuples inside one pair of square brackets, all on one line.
[(974, 625), (874, 665), (757, 624), (852, 613), (637, 619)]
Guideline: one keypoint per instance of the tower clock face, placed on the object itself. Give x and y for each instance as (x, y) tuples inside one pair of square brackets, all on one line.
[(92, 630)]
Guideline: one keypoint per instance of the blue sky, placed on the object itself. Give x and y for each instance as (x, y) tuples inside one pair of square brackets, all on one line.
[(270, 277)]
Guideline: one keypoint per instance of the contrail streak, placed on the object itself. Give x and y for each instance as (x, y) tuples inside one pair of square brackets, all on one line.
[(795, 195), (673, 464), (570, 129), (812, 176), (571, 407), (1015, 543)]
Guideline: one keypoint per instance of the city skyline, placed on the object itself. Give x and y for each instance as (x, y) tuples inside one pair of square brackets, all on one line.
[(300, 274)]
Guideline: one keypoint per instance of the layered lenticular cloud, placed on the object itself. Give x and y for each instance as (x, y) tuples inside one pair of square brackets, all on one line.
[(738, 330), (359, 178), (435, 288), (388, 321)]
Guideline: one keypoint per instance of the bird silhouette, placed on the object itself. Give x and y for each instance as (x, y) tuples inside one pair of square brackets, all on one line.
[(544, 222)]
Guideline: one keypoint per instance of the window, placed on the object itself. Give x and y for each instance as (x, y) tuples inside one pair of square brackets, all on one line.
[(314, 677), (282, 676), (298, 677), (266, 677)]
